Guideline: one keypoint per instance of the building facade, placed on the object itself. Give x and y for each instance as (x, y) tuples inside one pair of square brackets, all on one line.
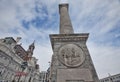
[(16, 64), (43, 76), (111, 78)]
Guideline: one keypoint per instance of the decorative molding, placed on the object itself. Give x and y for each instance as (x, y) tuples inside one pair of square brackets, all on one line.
[(68, 37)]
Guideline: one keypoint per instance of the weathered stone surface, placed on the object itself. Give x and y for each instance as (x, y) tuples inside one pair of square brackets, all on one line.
[(71, 61), (65, 22), (64, 75), (82, 61), (71, 55)]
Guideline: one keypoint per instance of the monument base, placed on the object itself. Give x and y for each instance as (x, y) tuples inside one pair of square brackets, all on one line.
[(74, 75)]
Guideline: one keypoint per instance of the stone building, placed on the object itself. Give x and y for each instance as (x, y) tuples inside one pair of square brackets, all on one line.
[(111, 78), (71, 61), (16, 64), (43, 76)]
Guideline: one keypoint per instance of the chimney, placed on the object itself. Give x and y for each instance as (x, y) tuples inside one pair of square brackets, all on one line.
[(65, 22)]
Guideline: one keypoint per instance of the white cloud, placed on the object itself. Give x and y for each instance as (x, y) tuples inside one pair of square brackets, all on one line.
[(108, 15), (63, 1), (105, 59), (43, 52)]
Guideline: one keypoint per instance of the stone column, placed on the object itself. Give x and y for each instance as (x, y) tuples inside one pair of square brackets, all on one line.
[(65, 22)]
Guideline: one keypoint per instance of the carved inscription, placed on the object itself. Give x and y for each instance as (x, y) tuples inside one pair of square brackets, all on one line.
[(71, 55)]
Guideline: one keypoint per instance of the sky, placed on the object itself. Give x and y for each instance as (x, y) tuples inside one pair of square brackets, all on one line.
[(36, 19)]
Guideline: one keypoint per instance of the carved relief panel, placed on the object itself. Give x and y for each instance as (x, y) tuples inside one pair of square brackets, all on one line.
[(71, 55)]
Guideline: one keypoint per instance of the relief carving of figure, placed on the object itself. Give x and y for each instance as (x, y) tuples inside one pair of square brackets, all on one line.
[(70, 56)]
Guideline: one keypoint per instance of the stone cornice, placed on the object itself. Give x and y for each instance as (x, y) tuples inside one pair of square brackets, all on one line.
[(68, 37)]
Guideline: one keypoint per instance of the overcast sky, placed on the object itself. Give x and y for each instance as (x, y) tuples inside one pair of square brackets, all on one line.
[(36, 19)]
